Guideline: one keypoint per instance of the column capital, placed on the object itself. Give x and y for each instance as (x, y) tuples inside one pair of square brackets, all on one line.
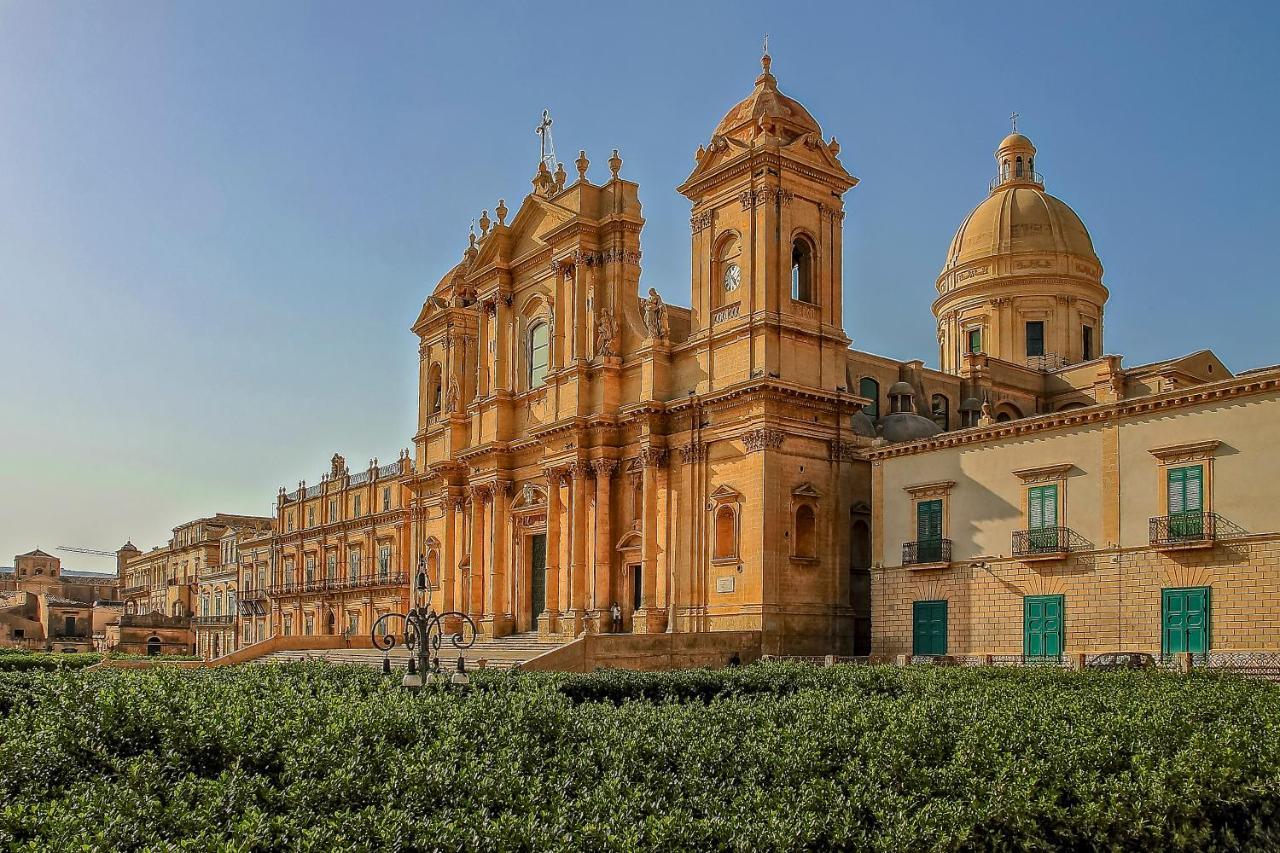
[(654, 457), (604, 468), (480, 492)]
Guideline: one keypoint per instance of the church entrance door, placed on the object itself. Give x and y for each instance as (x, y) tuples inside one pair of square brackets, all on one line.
[(538, 583)]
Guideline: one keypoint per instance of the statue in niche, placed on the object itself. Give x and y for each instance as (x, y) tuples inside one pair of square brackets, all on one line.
[(451, 397), (606, 333), (655, 315)]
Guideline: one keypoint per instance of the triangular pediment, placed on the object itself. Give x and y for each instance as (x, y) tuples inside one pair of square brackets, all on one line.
[(806, 490), (724, 494)]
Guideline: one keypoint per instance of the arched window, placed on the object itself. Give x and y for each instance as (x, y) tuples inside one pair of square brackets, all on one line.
[(806, 532), (204, 604), (1004, 171), (217, 604), (939, 407), (433, 567), (869, 388), (802, 289), (539, 353), (726, 533), (434, 391), (1018, 167)]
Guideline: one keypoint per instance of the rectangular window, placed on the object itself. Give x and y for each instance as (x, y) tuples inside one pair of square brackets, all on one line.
[(311, 516), (311, 625), (333, 511), (290, 520), (353, 623), (1086, 342), (975, 340), (1184, 617), (311, 568), (353, 564), (355, 506), (331, 565), (929, 531), (1186, 502), (386, 499), (1042, 626), (69, 626), (929, 628), (288, 625), (1035, 338), (384, 560), (1042, 518)]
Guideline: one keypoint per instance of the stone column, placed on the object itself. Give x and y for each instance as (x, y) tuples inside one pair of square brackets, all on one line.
[(578, 548), (650, 619), (479, 496), (600, 592), (499, 604), (548, 619)]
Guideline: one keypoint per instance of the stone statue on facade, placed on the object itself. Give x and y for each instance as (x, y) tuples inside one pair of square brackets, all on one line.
[(655, 315), (606, 333), (451, 396)]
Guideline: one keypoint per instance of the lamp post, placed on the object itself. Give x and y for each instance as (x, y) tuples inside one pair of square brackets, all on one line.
[(423, 633)]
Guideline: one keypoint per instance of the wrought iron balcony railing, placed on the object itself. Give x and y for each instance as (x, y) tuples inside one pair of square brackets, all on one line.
[(1184, 528), (1027, 175), (1045, 541), (224, 619), (339, 583), (926, 552)]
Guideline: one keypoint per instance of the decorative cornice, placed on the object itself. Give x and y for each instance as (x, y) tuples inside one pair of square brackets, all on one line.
[(1044, 473), (1194, 451), (1259, 383), (938, 489)]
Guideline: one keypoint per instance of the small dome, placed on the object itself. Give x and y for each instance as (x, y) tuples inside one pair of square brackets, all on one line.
[(765, 101), (1016, 140), (862, 424), (900, 388), (907, 426), (971, 404)]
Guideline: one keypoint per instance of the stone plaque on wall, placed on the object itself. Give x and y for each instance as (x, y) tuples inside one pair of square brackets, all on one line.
[(724, 584)]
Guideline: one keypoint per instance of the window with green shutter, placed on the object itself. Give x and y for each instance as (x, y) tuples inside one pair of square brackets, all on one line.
[(929, 531), (1042, 517), (1186, 502), (929, 628), (975, 340), (1042, 629), (1184, 618)]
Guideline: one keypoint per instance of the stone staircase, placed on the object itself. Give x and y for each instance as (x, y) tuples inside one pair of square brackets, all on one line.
[(502, 653)]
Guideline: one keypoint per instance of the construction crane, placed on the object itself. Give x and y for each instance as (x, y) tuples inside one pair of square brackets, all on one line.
[(86, 551)]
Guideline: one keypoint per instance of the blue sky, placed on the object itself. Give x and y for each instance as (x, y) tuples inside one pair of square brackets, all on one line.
[(218, 220)]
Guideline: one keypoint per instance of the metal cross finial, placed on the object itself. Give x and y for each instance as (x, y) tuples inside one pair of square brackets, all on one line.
[(766, 44), (548, 148), (1014, 119)]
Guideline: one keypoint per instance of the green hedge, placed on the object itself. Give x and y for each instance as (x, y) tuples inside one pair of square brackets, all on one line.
[(19, 660), (766, 757)]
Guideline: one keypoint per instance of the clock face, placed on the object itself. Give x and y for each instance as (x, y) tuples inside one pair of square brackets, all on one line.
[(732, 277)]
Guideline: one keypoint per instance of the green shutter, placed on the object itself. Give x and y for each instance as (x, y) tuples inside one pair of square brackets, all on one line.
[(929, 531), (1184, 616), (1042, 626), (1186, 502), (929, 628), (1042, 507)]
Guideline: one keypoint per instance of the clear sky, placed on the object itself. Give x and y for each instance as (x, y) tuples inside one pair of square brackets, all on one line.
[(218, 220)]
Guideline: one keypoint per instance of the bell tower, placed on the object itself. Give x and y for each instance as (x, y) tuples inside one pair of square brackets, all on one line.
[(767, 240)]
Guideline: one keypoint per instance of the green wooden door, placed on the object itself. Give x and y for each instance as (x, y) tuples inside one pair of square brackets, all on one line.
[(929, 628), (538, 587), (1042, 626), (929, 531), (1186, 502), (1184, 616), (1042, 518)]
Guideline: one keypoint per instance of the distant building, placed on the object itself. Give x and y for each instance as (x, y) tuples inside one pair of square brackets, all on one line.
[(44, 607)]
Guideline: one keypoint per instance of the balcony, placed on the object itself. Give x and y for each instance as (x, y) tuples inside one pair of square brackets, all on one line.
[(335, 584), (1184, 530), (214, 621), (1027, 176), (1045, 543), (252, 594), (927, 553)]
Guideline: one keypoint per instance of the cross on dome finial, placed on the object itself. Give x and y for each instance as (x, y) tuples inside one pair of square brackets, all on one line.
[(765, 59), (1013, 119)]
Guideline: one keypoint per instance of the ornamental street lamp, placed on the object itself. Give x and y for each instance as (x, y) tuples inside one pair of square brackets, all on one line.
[(422, 635)]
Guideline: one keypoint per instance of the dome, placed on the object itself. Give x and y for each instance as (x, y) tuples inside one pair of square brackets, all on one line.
[(970, 404), (765, 101), (900, 388), (862, 424), (907, 426), (1020, 218), (1016, 140)]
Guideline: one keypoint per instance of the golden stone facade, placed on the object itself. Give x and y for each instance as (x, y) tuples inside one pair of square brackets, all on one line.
[(584, 448)]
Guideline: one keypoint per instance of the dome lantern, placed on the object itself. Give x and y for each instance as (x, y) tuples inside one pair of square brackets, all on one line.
[(1016, 161)]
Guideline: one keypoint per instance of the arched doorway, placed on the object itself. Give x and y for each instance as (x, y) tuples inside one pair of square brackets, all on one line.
[(153, 645), (331, 624)]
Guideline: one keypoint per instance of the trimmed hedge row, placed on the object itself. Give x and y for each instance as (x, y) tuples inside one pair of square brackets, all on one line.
[(766, 757), (16, 660)]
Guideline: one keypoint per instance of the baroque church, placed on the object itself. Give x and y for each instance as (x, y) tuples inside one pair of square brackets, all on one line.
[(582, 444)]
